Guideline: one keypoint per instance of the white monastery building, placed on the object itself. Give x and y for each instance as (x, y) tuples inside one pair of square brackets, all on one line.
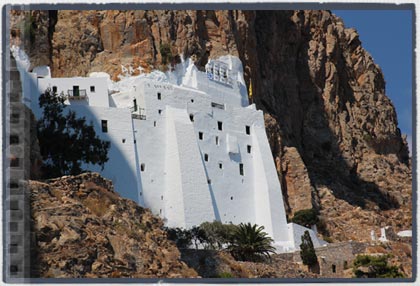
[(190, 148)]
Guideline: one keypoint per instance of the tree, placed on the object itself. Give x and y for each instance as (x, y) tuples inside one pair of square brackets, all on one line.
[(366, 266), (216, 234), (166, 53), (181, 237), (251, 243), (65, 140), (307, 251), (198, 236), (307, 217)]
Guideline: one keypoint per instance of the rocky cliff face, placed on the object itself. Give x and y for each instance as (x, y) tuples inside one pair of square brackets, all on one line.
[(333, 132), (83, 229)]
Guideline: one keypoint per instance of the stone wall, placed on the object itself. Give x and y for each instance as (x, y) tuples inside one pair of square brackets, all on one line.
[(333, 259)]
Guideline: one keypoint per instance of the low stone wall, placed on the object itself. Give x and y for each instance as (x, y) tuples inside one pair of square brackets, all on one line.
[(333, 259)]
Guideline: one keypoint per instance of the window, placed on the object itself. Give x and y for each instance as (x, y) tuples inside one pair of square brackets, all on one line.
[(14, 205), (160, 211), (333, 268), (13, 248), (92, 88), (206, 157), (192, 100), (14, 162), (104, 124), (76, 91), (14, 139), (154, 123), (160, 111), (54, 89), (220, 166), (13, 226), (217, 105), (159, 96), (217, 140), (200, 135), (161, 198), (142, 167), (248, 130), (123, 140), (231, 198), (208, 181), (192, 117), (13, 185), (134, 105), (14, 118), (248, 148), (241, 169), (220, 125)]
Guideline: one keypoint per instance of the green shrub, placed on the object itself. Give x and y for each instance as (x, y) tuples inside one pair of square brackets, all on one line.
[(181, 237), (376, 266), (307, 217), (166, 53), (225, 275), (217, 235)]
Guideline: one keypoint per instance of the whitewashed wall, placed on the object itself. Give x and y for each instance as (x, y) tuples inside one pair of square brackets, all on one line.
[(161, 162)]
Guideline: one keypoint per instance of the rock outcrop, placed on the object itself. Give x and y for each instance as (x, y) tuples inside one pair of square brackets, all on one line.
[(333, 131), (83, 229)]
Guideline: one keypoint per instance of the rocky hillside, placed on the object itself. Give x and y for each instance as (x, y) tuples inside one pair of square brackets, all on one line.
[(83, 229), (333, 131)]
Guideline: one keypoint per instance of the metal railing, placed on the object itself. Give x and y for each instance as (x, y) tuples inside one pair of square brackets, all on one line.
[(138, 113), (76, 94)]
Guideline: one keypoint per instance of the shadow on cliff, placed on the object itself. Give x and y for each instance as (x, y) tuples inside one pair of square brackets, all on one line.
[(295, 100)]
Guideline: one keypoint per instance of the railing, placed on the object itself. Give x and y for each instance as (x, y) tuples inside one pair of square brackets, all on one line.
[(76, 94), (141, 114)]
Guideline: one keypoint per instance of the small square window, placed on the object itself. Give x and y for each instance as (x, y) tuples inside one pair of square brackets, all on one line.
[(14, 205), (248, 130), (160, 111), (123, 140), (241, 169), (208, 181), (14, 162), (13, 185), (200, 135), (14, 269), (192, 117), (104, 125), (248, 148), (13, 248), (159, 96), (142, 167), (14, 139), (206, 157), (220, 125), (92, 88), (217, 140), (154, 123), (54, 89), (13, 226), (14, 118), (220, 166)]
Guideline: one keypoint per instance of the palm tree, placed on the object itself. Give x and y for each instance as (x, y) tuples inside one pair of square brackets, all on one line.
[(251, 243)]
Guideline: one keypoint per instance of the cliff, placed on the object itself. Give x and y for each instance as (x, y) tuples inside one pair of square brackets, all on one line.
[(333, 131), (83, 229)]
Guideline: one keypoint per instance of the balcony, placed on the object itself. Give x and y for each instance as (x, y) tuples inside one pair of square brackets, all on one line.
[(76, 94), (138, 113)]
